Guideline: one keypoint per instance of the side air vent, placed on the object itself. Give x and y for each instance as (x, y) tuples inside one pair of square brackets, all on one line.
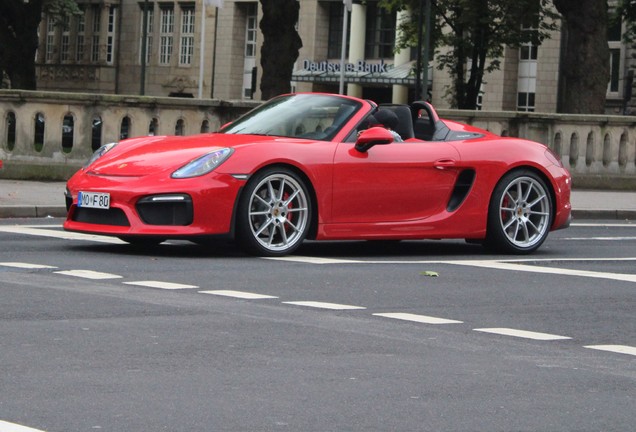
[(463, 184)]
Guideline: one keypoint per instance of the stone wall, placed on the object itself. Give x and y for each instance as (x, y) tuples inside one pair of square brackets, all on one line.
[(48, 136)]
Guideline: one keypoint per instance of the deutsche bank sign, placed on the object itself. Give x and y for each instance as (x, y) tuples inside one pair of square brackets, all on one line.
[(360, 66)]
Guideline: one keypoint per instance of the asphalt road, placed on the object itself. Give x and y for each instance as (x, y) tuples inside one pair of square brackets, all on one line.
[(343, 336)]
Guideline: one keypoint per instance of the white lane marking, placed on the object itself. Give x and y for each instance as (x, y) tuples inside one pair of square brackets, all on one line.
[(238, 294), (417, 318), (315, 260), (12, 427), (612, 225), (598, 238), (321, 305), (161, 285), (64, 235), (26, 265), (621, 349), (522, 334), (89, 274), (549, 270)]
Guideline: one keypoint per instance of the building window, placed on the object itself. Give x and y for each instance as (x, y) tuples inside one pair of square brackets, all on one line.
[(380, 40), (249, 61), (50, 39), (614, 33), (150, 18), (79, 38), (166, 35), (97, 14), (525, 101), (615, 63), (110, 37), (336, 11), (250, 32), (527, 75), (66, 39), (528, 52), (187, 36)]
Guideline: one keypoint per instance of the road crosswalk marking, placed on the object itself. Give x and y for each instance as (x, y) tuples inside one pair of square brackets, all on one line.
[(323, 305), (621, 349), (89, 274), (26, 265), (417, 318), (161, 285), (13, 427), (238, 294), (522, 334)]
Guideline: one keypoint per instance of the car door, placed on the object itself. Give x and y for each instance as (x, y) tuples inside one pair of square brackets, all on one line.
[(395, 182)]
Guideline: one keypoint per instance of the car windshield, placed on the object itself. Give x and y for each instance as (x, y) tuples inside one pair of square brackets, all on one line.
[(310, 116)]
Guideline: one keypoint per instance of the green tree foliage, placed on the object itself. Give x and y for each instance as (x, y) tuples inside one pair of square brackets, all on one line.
[(19, 21), (470, 37), (281, 45), (626, 12)]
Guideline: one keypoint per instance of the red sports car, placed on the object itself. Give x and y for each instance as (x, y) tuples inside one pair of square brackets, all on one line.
[(317, 166)]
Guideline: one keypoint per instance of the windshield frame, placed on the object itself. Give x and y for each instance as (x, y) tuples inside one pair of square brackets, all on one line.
[(301, 115)]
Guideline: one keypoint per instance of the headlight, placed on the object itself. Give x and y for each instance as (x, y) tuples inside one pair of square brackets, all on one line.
[(99, 153), (203, 164)]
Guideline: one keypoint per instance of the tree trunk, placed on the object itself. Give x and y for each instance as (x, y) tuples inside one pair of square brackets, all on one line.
[(19, 23), (585, 64), (281, 44)]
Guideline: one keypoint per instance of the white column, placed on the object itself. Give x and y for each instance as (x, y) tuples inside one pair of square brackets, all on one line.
[(401, 92), (356, 42)]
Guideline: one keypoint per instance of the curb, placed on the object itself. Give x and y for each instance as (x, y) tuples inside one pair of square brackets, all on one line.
[(604, 214), (34, 211)]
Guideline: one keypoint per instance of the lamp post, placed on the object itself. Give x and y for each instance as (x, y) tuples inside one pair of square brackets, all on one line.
[(345, 25), (423, 49)]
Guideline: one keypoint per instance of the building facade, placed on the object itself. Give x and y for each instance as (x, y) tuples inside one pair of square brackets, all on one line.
[(188, 49)]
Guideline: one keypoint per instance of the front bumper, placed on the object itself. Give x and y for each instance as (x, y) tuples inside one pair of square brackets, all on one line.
[(156, 207)]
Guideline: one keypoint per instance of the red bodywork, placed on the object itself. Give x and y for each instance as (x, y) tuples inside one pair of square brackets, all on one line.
[(394, 191)]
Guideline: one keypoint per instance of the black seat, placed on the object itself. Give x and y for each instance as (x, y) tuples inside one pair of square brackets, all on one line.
[(403, 113)]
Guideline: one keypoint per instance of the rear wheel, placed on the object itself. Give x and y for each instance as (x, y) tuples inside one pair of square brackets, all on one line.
[(274, 213), (520, 213)]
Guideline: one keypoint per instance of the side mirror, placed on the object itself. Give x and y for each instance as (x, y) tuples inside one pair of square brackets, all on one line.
[(371, 137)]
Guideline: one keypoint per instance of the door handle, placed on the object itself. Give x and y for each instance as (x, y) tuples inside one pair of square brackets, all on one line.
[(444, 163)]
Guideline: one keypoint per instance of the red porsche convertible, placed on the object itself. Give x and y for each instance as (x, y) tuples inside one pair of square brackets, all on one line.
[(317, 166)]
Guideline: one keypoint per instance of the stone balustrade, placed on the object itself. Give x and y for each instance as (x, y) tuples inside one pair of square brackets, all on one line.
[(599, 150), (48, 136)]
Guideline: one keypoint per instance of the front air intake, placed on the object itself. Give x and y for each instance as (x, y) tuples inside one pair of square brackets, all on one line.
[(173, 210)]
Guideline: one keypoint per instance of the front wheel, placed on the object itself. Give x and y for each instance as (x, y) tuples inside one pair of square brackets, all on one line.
[(274, 213), (519, 214)]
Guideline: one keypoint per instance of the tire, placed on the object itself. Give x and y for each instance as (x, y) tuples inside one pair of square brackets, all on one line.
[(274, 213), (519, 214)]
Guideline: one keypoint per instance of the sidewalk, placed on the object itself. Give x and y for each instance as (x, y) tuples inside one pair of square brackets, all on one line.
[(24, 199)]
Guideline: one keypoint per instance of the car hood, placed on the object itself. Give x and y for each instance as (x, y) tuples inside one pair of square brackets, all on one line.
[(151, 155)]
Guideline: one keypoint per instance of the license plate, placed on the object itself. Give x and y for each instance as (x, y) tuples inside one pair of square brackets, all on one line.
[(96, 200)]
